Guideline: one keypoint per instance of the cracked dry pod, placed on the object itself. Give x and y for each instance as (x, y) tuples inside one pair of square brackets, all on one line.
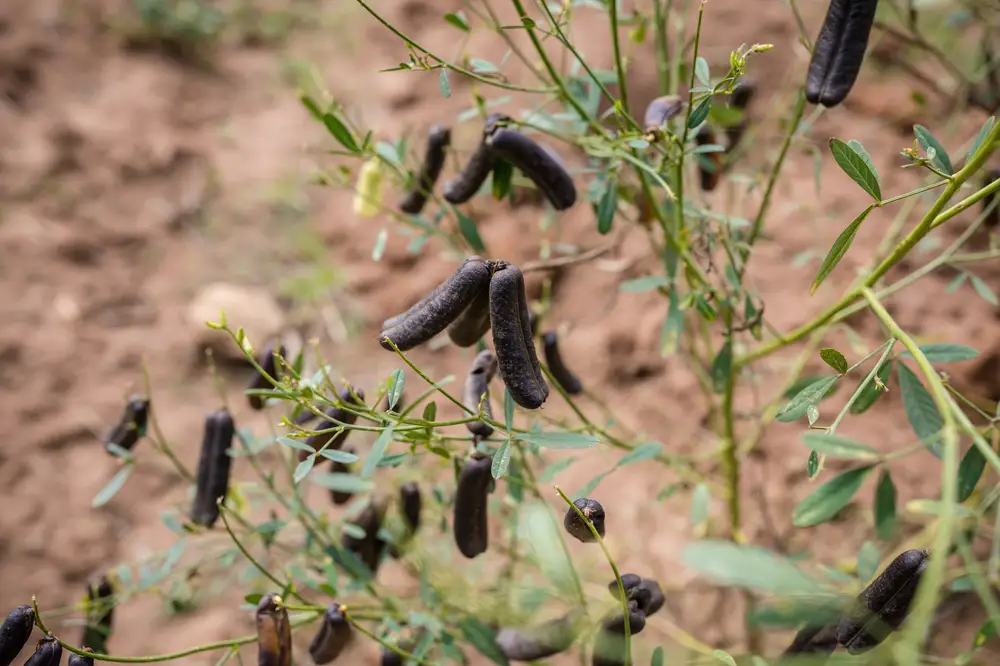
[(340, 497), (15, 632), (438, 140), (470, 524), (540, 641), (477, 382), (812, 640), (579, 529), (992, 219), (100, 612), (475, 172), (474, 322), (660, 111), (437, 310), (274, 633), (335, 416), (882, 607), (371, 546), (80, 660), (542, 166), (48, 652), (839, 51), (132, 425), (553, 358), (709, 164), (334, 634), (517, 359), (213, 467), (270, 366)]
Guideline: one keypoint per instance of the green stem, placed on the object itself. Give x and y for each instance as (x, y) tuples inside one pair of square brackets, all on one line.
[(260, 567), (679, 168), (662, 47), (619, 63)]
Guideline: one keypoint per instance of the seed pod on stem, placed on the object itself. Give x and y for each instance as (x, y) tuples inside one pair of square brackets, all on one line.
[(14, 633), (465, 185), (648, 595), (614, 622), (410, 503), (368, 549), (517, 359), (474, 322), (80, 660), (839, 51), (339, 497), (335, 416), (274, 633), (48, 652), (661, 110), (470, 524), (100, 612), (334, 634), (629, 581), (438, 141), (477, 383), (709, 164), (132, 425), (553, 358), (812, 639), (740, 99), (579, 529), (213, 467), (542, 166), (541, 641), (270, 366)]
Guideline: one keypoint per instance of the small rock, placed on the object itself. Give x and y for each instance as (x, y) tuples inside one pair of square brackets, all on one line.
[(252, 308)]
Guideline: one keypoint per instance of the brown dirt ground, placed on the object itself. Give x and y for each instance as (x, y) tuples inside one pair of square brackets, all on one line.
[(130, 179)]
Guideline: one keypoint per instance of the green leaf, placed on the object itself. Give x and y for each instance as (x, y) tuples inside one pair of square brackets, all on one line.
[(469, 231), (701, 71), (378, 250), (724, 657), (922, 413), (378, 449), (871, 393), (508, 409), (480, 66), (868, 559), (700, 499), (341, 482), (927, 141), (722, 367), (296, 444), (839, 249), (826, 501), (981, 137), (113, 486), (803, 382), (812, 465), (834, 359), (503, 175), (396, 382), (550, 472), (457, 19), (643, 284), (745, 566), (885, 506), (333, 124), (607, 206), (444, 84), (536, 527), (303, 468), (836, 446), (700, 112), (673, 325), (641, 453), (657, 658), (501, 460), (969, 472), (336, 455), (558, 440), (856, 166), (810, 395), (590, 487), (946, 352), (856, 146), (983, 290)]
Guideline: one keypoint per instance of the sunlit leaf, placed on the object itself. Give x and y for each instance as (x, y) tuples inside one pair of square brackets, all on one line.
[(885, 506), (927, 141), (829, 499), (857, 167), (839, 249)]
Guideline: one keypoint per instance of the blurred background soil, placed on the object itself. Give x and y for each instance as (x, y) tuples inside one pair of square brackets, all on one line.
[(134, 171)]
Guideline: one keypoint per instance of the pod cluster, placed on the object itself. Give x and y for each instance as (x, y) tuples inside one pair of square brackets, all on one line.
[(643, 598), (213, 467), (131, 427), (839, 51)]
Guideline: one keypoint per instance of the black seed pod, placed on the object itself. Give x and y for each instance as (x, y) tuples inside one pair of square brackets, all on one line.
[(538, 164), (132, 425), (648, 595), (477, 382), (465, 185), (709, 164), (550, 346), (629, 581), (274, 633), (213, 467), (48, 652), (269, 364), (839, 51), (470, 521), (437, 143), (577, 528), (541, 641), (100, 612), (512, 339), (80, 660), (881, 608), (333, 636), (419, 324), (743, 94), (812, 639), (370, 548), (615, 621), (335, 416), (993, 217), (14, 633), (410, 503), (338, 496), (661, 110), (474, 322)]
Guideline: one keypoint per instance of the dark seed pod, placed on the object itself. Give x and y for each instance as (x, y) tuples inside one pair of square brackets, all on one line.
[(533, 322), (477, 382), (615, 621), (437, 143), (839, 51), (812, 639), (48, 652), (474, 322), (335, 416), (14, 633), (450, 299), (629, 582), (338, 496), (334, 634), (577, 528), (213, 467), (709, 164), (546, 639), (648, 595), (743, 94), (538, 164), (79, 660), (274, 633), (661, 110), (132, 425), (470, 521), (371, 547), (517, 359), (269, 364), (881, 608), (550, 346), (100, 612), (993, 217), (410, 502), (465, 185)]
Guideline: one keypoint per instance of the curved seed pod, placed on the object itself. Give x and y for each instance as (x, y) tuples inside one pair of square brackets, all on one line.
[(812, 639), (337, 496), (274, 634), (615, 621), (213, 467), (269, 364), (477, 382), (334, 634), (550, 346), (48, 652), (577, 528), (839, 51), (449, 301), (993, 218), (465, 185), (100, 611), (336, 415), (541, 641), (132, 425), (474, 321), (370, 548), (881, 608), (14, 633), (629, 581), (661, 110), (79, 660), (438, 141), (648, 595), (534, 161), (410, 502), (709, 164), (512, 339), (470, 524)]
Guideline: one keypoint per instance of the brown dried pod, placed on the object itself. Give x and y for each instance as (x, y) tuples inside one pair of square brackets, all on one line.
[(410, 503), (710, 165), (812, 639), (541, 641), (438, 140), (334, 634), (213, 467), (470, 524), (553, 358), (465, 185), (661, 110), (579, 529), (100, 612), (517, 359), (79, 660), (335, 416), (14, 633), (992, 219), (48, 652), (369, 548), (132, 425), (270, 366), (477, 382), (339, 497), (274, 633)]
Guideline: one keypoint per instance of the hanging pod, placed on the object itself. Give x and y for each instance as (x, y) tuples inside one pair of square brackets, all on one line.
[(539, 164), (517, 359), (269, 364), (100, 612), (577, 527), (213, 467), (132, 425), (839, 51), (274, 633), (80, 660), (14, 633), (472, 176), (541, 641), (477, 383), (337, 496), (710, 165), (660, 111), (371, 546), (812, 640), (334, 634), (553, 358), (470, 523), (438, 140), (48, 652)]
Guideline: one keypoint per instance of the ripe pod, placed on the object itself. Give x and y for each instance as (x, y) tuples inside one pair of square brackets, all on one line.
[(881, 608), (470, 524), (132, 425), (213, 467), (629, 582), (336, 416), (839, 51), (368, 549), (14, 633), (661, 110), (993, 217), (813, 639), (274, 633), (100, 611), (437, 143), (615, 621), (433, 314), (540, 165), (577, 528), (79, 660), (477, 382), (474, 321), (709, 164), (541, 641), (465, 185), (649, 596), (334, 634), (48, 652), (515, 346), (410, 503), (340, 497), (269, 364), (550, 346)]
